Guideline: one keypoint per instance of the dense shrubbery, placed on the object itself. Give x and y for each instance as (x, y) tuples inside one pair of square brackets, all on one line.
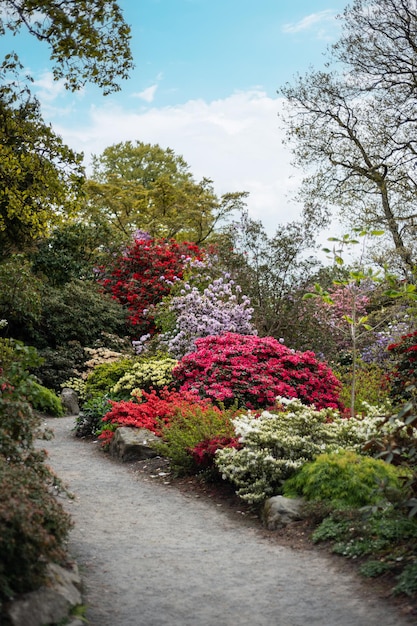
[(275, 445), (404, 376), (45, 401), (33, 528), (151, 410), (104, 376), (147, 373), (345, 479), (144, 274), (253, 371), (193, 435), (33, 525)]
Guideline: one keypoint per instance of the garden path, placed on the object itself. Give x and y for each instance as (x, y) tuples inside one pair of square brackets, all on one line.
[(151, 555)]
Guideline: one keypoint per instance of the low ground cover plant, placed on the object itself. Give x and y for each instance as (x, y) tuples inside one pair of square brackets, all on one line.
[(381, 541)]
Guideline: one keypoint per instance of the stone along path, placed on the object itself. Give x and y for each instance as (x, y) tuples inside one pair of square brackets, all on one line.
[(153, 556)]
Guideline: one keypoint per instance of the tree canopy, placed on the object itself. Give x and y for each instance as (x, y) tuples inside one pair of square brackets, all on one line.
[(88, 39), (135, 185), (40, 177)]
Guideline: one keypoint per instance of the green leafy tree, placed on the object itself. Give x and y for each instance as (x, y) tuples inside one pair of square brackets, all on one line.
[(73, 251), (88, 39), (20, 295), (40, 177), (142, 186)]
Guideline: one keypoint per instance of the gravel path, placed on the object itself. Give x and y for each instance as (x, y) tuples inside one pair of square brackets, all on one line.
[(153, 556)]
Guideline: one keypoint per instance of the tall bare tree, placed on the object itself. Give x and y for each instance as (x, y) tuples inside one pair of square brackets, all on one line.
[(352, 132)]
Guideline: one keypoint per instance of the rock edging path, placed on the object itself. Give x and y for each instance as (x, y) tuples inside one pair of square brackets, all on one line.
[(151, 556)]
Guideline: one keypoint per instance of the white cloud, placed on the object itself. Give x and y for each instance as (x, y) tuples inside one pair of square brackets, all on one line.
[(48, 89), (147, 94), (307, 22), (235, 141)]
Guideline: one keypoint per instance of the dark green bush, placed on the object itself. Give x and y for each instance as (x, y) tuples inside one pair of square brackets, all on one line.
[(60, 364), (345, 479), (79, 311)]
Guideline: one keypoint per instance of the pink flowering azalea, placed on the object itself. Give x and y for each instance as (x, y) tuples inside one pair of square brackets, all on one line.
[(255, 370)]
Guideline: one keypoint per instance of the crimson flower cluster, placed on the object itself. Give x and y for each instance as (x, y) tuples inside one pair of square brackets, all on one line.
[(144, 274), (404, 353), (254, 370)]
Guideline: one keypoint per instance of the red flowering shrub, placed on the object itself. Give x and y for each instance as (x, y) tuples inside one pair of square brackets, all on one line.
[(203, 453), (254, 370), (144, 274), (151, 410), (404, 353)]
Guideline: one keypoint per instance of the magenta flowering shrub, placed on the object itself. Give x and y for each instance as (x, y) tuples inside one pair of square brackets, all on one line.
[(255, 370)]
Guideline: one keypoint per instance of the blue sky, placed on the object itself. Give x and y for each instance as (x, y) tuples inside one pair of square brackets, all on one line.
[(205, 84)]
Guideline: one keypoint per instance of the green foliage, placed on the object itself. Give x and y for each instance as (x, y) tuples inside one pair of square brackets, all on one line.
[(45, 401), (104, 376), (371, 385), (79, 312), (38, 174), (20, 295), (33, 528), (149, 372), (344, 478), (395, 441), (70, 253), (189, 428), (407, 580), (33, 525), (88, 423), (142, 184), (88, 39), (275, 445), (60, 363), (384, 540)]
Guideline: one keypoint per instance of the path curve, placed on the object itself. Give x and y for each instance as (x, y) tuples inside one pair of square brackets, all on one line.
[(151, 556)]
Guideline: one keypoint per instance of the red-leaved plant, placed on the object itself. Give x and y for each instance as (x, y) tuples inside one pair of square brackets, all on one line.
[(204, 452), (144, 274), (253, 371), (150, 410)]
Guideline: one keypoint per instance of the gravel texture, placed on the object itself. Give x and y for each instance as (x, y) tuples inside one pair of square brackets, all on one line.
[(153, 555)]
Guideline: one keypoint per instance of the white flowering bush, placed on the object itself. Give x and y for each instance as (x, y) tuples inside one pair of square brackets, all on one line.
[(276, 444), (152, 372)]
